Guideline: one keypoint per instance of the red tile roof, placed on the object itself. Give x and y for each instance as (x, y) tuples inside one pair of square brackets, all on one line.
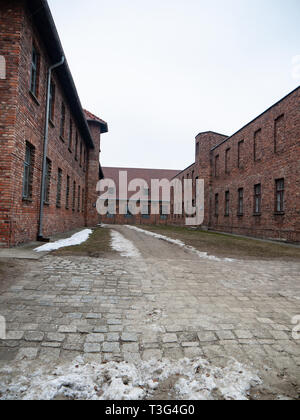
[(138, 173), (91, 117)]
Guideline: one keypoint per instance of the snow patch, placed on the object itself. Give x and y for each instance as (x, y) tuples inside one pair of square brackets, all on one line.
[(76, 239), (123, 245), (197, 380), (181, 244)]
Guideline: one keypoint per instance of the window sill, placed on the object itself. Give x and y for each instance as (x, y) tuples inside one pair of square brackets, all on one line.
[(46, 204), (226, 215), (240, 215), (27, 200), (35, 99), (58, 206), (279, 213), (256, 214)]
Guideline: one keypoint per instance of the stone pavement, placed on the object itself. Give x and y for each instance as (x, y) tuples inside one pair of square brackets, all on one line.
[(132, 309)]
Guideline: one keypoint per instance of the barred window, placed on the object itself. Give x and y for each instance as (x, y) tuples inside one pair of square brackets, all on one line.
[(74, 196), (35, 61), (78, 199), (59, 181), (241, 201), (257, 199), (68, 192), (47, 181), (83, 201), (28, 171), (217, 205), (279, 196), (227, 203)]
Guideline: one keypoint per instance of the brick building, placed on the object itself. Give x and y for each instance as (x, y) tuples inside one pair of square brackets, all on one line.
[(146, 216), (252, 179), (30, 45)]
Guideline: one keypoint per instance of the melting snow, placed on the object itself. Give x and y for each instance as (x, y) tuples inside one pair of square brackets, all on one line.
[(197, 380), (180, 243), (76, 239), (123, 245)]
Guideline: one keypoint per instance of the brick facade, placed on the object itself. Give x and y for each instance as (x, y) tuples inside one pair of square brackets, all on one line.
[(246, 168), (22, 121)]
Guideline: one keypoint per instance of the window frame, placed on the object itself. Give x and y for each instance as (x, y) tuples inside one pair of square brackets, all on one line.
[(59, 187), (34, 72), (28, 172), (241, 202), (257, 200), (227, 203), (280, 193)]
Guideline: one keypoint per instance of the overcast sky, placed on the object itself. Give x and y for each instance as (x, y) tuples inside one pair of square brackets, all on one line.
[(161, 71)]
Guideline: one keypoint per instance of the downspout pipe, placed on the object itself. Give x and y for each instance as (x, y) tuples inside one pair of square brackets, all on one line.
[(46, 135)]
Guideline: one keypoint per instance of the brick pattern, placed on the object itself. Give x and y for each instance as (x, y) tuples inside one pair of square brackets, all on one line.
[(22, 119), (264, 151)]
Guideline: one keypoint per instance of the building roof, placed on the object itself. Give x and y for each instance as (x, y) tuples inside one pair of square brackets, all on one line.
[(42, 18), (138, 173), (91, 117)]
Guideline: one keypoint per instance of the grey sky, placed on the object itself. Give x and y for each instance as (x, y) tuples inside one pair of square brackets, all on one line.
[(161, 71)]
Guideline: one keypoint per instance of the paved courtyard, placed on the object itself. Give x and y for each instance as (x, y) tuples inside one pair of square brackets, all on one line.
[(165, 303)]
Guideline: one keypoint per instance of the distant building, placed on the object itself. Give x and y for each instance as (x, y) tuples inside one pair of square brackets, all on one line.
[(252, 179), (30, 44), (145, 217)]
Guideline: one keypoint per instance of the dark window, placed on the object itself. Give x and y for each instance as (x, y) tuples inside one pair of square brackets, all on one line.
[(217, 205), (227, 161), (28, 172), (257, 199), (52, 102), (76, 146), (197, 149), (70, 134), (227, 203), (47, 181), (217, 158), (80, 156), (241, 154), (62, 120), (74, 196), (84, 159), (79, 199), (34, 72), (59, 181), (83, 201), (68, 192), (279, 206), (240, 201)]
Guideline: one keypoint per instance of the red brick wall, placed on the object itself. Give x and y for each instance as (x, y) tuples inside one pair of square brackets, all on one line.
[(22, 118), (269, 154), (266, 150)]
